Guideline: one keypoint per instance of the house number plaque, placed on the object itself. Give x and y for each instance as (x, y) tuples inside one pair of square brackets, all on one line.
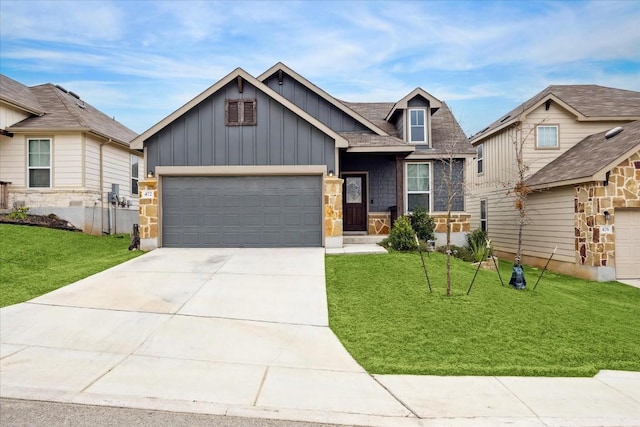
[(147, 194)]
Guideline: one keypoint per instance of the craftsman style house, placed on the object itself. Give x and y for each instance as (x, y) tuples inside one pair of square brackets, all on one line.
[(581, 148), (60, 155), (274, 160)]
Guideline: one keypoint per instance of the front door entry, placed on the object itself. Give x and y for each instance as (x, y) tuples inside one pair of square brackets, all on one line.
[(355, 201)]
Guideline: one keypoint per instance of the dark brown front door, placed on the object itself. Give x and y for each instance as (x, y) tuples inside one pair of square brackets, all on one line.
[(355, 201)]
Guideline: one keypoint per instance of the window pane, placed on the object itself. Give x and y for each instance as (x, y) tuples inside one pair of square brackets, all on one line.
[(417, 117), (39, 153), (417, 133), (354, 190), (483, 209), (38, 177), (134, 187), (547, 136), (415, 200), (418, 177)]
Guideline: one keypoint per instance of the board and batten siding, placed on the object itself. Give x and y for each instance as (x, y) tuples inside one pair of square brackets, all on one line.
[(201, 138), (313, 104)]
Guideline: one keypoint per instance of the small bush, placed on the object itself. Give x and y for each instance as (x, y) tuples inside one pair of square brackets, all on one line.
[(402, 236), (422, 223), (19, 213), (477, 241)]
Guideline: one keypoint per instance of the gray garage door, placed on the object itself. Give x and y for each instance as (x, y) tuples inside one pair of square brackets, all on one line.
[(251, 211)]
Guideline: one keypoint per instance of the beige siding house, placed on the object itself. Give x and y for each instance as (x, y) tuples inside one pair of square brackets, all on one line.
[(60, 155), (583, 182)]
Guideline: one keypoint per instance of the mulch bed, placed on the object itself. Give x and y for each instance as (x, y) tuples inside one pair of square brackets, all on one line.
[(49, 221)]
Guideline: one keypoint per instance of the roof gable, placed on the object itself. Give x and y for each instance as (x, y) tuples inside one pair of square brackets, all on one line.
[(590, 159), (322, 94), (138, 142), (403, 104), (585, 102)]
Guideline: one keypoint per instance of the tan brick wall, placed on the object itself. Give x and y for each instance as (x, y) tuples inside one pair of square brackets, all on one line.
[(332, 206), (593, 248), (148, 209)]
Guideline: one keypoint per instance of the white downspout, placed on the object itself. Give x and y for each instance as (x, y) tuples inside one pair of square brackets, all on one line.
[(102, 144)]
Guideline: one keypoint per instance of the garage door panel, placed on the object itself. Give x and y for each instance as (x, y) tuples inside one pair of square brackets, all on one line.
[(627, 229), (264, 211)]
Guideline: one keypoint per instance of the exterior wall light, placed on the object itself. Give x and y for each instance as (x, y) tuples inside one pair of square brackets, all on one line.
[(150, 174), (330, 173)]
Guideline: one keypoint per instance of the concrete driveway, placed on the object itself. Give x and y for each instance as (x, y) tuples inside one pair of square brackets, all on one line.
[(244, 332), (223, 331)]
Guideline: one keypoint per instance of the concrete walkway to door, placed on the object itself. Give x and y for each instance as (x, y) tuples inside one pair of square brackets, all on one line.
[(244, 332)]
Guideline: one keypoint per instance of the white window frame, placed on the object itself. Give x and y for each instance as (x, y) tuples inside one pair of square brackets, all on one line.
[(134, 178), (29, 167), (484, 223), (548, 147), (411, 126), (406, 185), (480, 159)]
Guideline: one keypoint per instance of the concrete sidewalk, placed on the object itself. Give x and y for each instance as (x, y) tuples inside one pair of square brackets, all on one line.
[(243, 332)]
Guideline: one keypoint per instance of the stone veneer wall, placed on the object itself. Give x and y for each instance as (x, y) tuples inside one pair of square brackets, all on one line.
[(333, 211), (148, 214), (594, 249), (460, 222), (379, 223)]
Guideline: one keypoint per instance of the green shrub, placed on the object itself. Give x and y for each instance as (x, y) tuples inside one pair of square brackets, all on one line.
[(402, 236), (19, 213), (422, 223), (477, 241)]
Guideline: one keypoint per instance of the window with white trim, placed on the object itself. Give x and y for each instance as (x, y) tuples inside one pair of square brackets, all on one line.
[(480, 159), (240, 112), (418, 176), (39, 162), (547, 136), (483, 215), (417, 125), (134, 175)]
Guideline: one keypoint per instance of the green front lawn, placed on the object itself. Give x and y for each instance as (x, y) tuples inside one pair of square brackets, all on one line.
[(381, 309), (35, 260)]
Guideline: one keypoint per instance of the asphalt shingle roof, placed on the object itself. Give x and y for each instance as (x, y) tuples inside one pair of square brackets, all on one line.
[(588, 100), (445, 129), (589, 156), (64, 111), (18, 94)]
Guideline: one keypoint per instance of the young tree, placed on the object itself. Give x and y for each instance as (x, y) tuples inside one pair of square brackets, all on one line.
[(453, 149)]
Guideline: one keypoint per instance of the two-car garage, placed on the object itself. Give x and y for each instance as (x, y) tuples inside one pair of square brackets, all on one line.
[(241, 211)]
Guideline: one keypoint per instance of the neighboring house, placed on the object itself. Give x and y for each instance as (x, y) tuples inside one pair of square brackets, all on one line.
[(60, 155), (277, 161), (586, 198)]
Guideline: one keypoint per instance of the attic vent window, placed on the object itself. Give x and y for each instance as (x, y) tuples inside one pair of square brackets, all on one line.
[(240, 112), (613, 132), (505, 118)]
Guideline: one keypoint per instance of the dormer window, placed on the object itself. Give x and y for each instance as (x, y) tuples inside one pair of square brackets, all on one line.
[(417, 126)]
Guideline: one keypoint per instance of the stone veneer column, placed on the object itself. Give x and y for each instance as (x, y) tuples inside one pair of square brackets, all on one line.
[(332, 212), (594, 249), (148, 215)]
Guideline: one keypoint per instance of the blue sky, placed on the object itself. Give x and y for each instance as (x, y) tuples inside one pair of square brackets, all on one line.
[(141, 60)]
